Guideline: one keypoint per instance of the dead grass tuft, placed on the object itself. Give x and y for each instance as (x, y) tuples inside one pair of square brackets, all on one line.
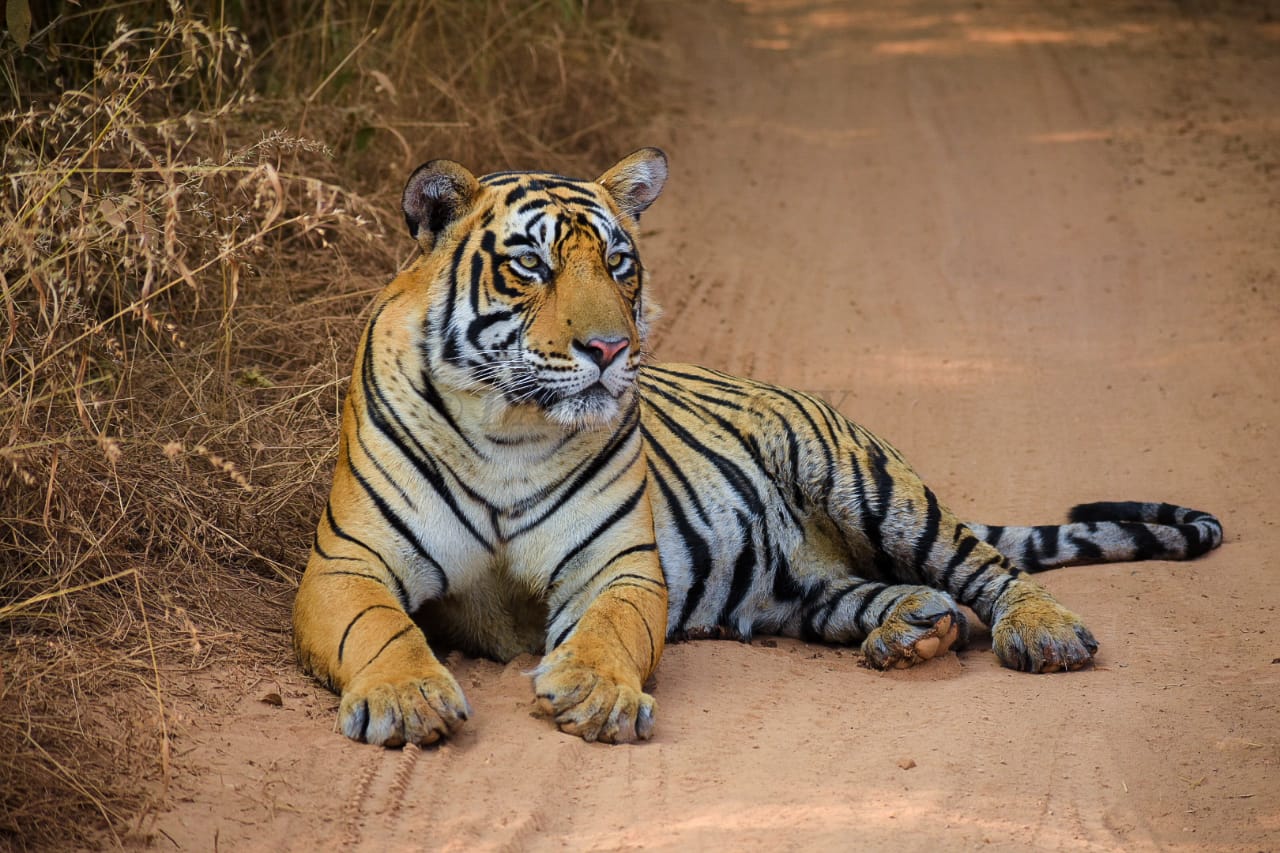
[(194, 209)]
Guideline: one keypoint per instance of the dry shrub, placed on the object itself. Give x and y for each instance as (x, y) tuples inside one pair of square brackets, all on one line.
[(187, 238)]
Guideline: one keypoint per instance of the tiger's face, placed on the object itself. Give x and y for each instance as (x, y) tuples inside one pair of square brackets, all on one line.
[(537, 291)]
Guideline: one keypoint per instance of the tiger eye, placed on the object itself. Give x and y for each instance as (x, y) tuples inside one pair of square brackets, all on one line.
[(614, 260), (529, 262)]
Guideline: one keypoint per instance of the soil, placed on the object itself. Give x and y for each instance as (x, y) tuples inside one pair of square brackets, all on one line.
[(1035, 246)]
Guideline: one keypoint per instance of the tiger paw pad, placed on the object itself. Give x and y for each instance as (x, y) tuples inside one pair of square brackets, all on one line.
[(922, 626)]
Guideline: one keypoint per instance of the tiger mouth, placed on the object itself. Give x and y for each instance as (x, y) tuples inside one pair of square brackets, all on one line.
[(596, 391), (594, 407)]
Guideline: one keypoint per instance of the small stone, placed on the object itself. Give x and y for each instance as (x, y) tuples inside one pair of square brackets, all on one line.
[(907, 763)]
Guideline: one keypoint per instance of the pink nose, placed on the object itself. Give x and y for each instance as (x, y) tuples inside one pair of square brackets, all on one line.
[(603, 351)]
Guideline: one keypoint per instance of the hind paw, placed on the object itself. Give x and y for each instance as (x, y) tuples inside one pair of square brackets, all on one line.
[(1036, 634), (922, 626)]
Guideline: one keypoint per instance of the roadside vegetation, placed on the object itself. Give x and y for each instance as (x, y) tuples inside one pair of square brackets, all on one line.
[(196, 203)]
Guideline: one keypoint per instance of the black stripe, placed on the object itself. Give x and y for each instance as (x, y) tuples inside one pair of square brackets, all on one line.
[(569, 629), (454, 264), (502, 179), (785, 587), (875, 517), (315, 546), (397, 635), (352, 575), (661, 584), (658, 449), (402, 594), (1086, 549), (431, 394), (963, 593), (402, 528), (481, 323), (342, 644), (386, 475), (794, 477), (648, 629), (961, 554), (929, 536), (722, 381), (383, 416), (477, 274), (866, 602), (1146, 543), (1048, 534), (533, 204), (629, 585), (1005, 581), (833, 603), (700, 560), (824, 442), (396, 432), (618, 514), (586, 471), (690, 390), (743, 571), (1195, 546), (624, 468), (733, 475), (634, 549), (498, 274)]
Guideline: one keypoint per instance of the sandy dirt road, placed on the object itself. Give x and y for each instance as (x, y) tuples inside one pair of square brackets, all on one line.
[(1035, 245)]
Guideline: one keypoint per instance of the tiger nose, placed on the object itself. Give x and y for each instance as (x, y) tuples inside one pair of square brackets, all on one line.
[(602, 351)]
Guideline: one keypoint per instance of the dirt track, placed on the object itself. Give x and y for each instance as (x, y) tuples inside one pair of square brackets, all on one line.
[(1037, 250)]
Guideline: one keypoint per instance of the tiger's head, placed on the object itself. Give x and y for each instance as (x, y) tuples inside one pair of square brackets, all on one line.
[(535, 288)]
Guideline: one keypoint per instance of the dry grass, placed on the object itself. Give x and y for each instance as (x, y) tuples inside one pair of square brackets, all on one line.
[(192, 216)]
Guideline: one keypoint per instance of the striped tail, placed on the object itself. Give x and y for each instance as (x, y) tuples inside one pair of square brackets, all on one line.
[(1108, 532)]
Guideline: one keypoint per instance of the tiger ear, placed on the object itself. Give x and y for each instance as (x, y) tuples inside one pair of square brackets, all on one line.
[(437, 193), (635, 180)]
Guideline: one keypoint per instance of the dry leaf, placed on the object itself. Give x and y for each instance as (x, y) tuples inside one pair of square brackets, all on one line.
[(17, 17)]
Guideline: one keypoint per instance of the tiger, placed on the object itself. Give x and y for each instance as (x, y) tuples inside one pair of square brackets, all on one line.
[(516, 474)]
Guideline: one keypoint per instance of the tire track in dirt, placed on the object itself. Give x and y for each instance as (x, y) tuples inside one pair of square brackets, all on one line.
[(380, 790)]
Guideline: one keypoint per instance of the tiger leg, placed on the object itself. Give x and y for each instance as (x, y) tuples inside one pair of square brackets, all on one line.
[(353, 634), (915, 539), (899, 625), (591, 681), (1030, 630)]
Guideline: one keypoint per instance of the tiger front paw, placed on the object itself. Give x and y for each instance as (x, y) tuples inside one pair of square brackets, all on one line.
[(392, 712), (585, 701), (1034, 633)]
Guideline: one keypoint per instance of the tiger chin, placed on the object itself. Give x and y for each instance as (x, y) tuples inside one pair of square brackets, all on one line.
[(515, 475)]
